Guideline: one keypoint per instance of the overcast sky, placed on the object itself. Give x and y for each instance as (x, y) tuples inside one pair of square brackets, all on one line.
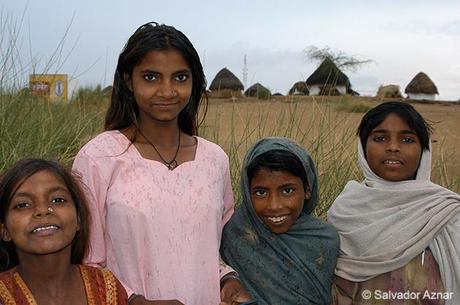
[(401, 37)]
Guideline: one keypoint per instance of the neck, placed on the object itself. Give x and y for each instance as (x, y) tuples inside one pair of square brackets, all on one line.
[(159, 133), (52, 273)]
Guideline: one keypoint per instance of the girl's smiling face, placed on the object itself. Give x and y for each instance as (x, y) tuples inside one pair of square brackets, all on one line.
[(278, 198), (393, 150), (162, 85), (41, 216)]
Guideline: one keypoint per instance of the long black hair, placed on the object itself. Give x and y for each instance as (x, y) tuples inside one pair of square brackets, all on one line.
[(123, 110)]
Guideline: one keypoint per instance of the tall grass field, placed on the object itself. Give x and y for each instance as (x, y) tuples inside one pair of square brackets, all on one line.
[(325, 126)]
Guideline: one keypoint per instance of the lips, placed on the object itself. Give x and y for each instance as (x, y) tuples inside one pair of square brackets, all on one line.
[(44, 229), (393, 162), (276, 219), (165, 104)]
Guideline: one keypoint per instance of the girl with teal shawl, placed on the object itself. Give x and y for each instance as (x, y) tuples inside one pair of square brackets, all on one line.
[(293, 267)]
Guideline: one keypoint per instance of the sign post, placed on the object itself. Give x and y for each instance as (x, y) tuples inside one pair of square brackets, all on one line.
[(51, 86)]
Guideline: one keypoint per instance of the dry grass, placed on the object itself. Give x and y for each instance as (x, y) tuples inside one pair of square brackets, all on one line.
[(325, 126), (327, 129)]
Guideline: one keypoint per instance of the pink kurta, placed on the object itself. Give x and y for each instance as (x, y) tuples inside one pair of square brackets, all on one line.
[(159, 231)]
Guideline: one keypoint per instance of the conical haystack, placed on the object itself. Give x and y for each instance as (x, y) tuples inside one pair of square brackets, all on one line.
[(259, 91), (299, 88), (421, 87), (389, 91), (421, 83), (226, 84)]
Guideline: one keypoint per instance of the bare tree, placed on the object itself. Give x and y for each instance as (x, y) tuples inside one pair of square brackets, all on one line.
[(341, 59)]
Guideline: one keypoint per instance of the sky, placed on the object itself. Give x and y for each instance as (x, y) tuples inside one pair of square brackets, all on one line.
[(84, 38)]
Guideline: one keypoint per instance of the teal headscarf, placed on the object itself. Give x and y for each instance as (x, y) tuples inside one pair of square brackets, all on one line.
[(292, 268)]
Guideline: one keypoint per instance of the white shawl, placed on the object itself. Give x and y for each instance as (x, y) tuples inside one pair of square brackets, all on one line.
[(383, 225)]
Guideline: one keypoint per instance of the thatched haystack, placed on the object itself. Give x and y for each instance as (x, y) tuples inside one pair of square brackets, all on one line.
[(225, 84), (389, 91), (327, 75), (421, 87), (299, 88), (259, 91)]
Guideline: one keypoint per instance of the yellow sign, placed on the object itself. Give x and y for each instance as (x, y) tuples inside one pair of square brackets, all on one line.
[(51, 86)]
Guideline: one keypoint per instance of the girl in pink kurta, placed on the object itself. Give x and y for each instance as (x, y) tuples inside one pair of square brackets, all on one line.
[(161, 193)]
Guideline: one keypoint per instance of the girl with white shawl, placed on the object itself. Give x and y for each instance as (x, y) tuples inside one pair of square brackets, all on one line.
[(399, 232)]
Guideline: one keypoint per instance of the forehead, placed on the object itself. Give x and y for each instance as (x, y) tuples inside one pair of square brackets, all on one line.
[(42, 178), (276, 177), (163, 58), (393, 122)]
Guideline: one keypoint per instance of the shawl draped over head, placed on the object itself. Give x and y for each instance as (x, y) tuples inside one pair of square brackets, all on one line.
[(292, 268), (383, 225)]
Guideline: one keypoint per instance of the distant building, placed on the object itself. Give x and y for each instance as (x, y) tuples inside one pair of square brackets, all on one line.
[(299, 88), (225, 84), (50, 86), (421, 87), (259, 91), (327, 79)]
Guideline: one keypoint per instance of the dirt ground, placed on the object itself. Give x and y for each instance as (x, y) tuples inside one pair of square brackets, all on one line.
[(236, 124)]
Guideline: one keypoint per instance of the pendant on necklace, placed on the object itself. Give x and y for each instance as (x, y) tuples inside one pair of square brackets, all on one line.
[(171, 165)]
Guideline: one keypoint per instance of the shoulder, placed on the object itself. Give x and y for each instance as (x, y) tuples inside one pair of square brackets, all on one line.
[(6, 277), (96, 272), (239, 220), (454, 222), (91, 269), (351, 195), (7, 283), (211, 148), (238, 229), (105, 144), (324, 225), (325, 230), (105, 278), (99, 275)]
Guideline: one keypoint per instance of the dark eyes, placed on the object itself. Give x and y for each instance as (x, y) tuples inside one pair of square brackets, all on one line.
[(149, 77), (22, 205), (288, 190), (260, 193), (408, 140), (180, 77), (379, 138), (58, 200), (403, 139)]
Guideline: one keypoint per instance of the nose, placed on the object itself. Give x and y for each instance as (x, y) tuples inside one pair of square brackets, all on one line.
[(43, 210), (167, 89), (393, 145), (274, 203)]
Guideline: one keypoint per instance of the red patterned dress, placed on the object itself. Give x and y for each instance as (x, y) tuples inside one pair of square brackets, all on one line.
[(101, 287)]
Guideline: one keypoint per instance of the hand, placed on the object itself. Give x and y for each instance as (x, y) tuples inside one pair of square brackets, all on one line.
[(233, 293), (140, 300)]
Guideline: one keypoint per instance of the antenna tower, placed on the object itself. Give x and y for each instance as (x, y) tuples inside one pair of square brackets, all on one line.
[(245, 71)]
